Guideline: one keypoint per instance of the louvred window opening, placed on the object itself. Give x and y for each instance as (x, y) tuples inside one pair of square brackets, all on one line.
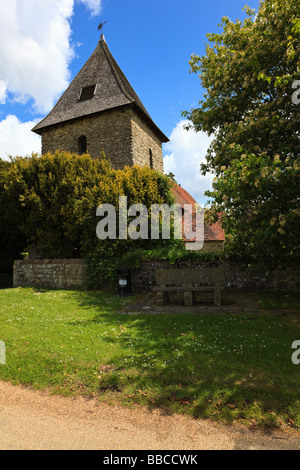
[(87, 92)]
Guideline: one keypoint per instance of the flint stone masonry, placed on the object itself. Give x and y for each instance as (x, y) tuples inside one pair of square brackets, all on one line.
[(108, 132), (143, 140), (238, 277), (53, 273), (121, 134), (71, 273)]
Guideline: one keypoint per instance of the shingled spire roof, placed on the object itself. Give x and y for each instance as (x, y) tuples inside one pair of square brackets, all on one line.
[(99, 86)]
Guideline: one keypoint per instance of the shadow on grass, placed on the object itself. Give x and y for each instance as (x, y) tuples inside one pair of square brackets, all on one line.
[(225, 367), (277, 301)]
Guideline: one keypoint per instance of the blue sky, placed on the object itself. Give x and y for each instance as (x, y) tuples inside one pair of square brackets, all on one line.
[(44, 43)]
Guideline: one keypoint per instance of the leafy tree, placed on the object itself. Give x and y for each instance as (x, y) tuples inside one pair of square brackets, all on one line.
[(250, 71), (11, 241), (51, 196), (141, 186), (53, 199)]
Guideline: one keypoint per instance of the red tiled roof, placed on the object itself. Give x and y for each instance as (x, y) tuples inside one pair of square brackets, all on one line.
[(182, 196), (213, 232)]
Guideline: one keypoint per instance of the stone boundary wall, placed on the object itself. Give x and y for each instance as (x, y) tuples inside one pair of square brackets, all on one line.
[(53, 273), (71, 274), (238, 277)]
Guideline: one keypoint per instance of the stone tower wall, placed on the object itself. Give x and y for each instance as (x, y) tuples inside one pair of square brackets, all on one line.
[(144, 140), (109, 131), (121, 133)]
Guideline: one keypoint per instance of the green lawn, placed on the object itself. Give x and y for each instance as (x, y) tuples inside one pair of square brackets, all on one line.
[(220, 366)]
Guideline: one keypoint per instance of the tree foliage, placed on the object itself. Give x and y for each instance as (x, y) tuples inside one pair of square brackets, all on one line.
[(249, 73), (11, 242), (54, 199)]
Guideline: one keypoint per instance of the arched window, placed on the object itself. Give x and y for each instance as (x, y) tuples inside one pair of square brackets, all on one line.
[(82, 145), (151, 159)]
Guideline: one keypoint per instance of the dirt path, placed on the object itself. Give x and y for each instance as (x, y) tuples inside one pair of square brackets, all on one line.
[(33, 420)]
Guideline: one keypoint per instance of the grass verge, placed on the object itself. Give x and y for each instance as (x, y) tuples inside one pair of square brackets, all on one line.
[(224, 367)]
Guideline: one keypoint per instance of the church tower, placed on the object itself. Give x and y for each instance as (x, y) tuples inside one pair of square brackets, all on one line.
[(101, 111)]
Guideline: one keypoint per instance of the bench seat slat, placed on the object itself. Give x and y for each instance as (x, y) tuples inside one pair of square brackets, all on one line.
[(189, 281), (185, 289)]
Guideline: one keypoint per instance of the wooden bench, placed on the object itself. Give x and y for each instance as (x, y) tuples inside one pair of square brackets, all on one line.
[(189, 281)]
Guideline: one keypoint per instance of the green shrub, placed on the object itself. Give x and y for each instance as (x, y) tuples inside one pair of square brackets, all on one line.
[(51, 203)]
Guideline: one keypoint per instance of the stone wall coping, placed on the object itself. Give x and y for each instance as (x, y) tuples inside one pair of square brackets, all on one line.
[(52, 261)]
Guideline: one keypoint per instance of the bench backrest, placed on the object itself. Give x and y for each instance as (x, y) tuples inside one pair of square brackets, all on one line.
[(206, 276)]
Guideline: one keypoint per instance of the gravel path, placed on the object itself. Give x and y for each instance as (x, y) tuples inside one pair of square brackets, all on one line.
[(34, 420)]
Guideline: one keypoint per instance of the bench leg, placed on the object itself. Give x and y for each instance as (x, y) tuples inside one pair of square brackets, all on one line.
[(218, 297), (162, 298), (189, 298)]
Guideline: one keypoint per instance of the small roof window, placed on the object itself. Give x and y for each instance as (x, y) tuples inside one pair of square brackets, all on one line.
[(87, 92)]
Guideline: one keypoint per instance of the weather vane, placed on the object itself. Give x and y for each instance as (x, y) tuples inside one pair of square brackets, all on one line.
[(100, 26)]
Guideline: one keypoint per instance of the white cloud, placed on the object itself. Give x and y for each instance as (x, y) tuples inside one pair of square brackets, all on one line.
[(183, 156), (35, 49), (16, 138), (2, 92), (93, 5)]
